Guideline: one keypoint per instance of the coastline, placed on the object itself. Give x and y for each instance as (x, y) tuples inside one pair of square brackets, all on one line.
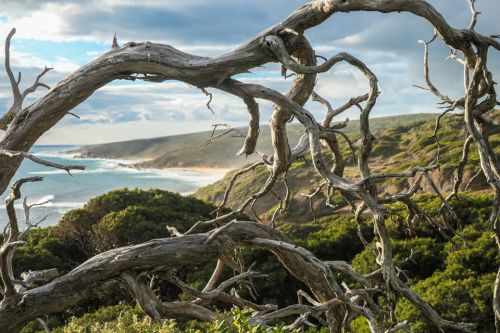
[(194, 169), (132, 163), (101, 175)]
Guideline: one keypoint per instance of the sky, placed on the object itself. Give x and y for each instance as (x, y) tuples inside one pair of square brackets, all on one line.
[(66, 34)]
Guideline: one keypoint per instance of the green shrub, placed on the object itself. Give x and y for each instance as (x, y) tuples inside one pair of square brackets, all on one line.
[(479, 254), (125, 319), (124, 217), (236, 321), (417, 257), (44, 250), (337, 239), (462, 300), (117, 319), (455, 278), (463, 290)]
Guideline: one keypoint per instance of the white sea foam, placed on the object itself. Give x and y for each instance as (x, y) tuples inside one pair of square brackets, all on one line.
[(45, 198), (49, 154), (120, 165), (72, 157), (47, 201), (47, 172), (69, 195), (69, 204), (62, 206), (57, 172), (185, 176)]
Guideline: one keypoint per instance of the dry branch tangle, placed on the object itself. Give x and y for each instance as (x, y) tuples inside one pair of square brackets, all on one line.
[(167, 63), (161, 255), (283, 43)]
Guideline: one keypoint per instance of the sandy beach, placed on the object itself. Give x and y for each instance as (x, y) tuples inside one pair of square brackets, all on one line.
[(197, 169)]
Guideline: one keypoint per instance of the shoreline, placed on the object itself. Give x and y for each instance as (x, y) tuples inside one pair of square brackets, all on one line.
[(101, 176), (132, 164), (211, 170)]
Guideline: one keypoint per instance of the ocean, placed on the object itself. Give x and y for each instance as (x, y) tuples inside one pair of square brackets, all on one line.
[(67, 192)]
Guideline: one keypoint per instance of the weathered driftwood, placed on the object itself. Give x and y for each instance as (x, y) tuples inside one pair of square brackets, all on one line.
[(286, 44)]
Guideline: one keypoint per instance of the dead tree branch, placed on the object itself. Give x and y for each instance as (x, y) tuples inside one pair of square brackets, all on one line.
[(284, 43)]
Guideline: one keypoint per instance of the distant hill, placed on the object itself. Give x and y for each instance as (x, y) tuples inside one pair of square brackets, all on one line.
[(397, 148), (188, 150)]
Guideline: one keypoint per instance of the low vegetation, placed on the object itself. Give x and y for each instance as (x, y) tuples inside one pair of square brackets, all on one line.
[(455, 275), (188, 150), (398, 148)]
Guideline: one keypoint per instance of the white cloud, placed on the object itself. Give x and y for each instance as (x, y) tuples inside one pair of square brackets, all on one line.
[(99, 133), (386, 43), (46, 23)]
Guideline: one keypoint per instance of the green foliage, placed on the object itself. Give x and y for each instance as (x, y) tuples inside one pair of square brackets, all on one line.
[(336, 238), (128, 226), (359, 325), (237, 321), (35, 327), (462, 291), (279, 287), (124, 217), (125, 319), (479, 254), (117, 218), (468, 299), (76, 225), (118, 200), (117, 319), (455, 277), (417, 257), (471, 208), (45, 249)]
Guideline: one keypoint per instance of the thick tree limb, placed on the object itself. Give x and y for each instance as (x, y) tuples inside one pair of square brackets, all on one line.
[(285, 43), (160, 255)]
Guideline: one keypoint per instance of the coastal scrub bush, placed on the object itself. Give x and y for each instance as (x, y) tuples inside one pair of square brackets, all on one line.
[(126, 319), (417, 257)]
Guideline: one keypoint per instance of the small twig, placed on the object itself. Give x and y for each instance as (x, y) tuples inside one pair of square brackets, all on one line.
[(474, 14), (13, 239), (114, 44), (473, 178), (210, 96), (428, 81), (37, 83), (43, 324), (218, 231), (236, 175), (413, 171), (213, 138)]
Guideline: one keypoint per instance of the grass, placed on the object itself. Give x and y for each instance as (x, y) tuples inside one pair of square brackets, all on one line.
[(188, 150), (398, 147)]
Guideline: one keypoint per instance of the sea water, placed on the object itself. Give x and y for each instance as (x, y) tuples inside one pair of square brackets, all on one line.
[(65, 192)]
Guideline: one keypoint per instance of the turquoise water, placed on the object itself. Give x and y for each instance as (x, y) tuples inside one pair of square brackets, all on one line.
[(101, 175)]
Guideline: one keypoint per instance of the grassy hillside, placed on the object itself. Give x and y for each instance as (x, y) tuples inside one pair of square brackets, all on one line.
[(397, 148), (188, 150)]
